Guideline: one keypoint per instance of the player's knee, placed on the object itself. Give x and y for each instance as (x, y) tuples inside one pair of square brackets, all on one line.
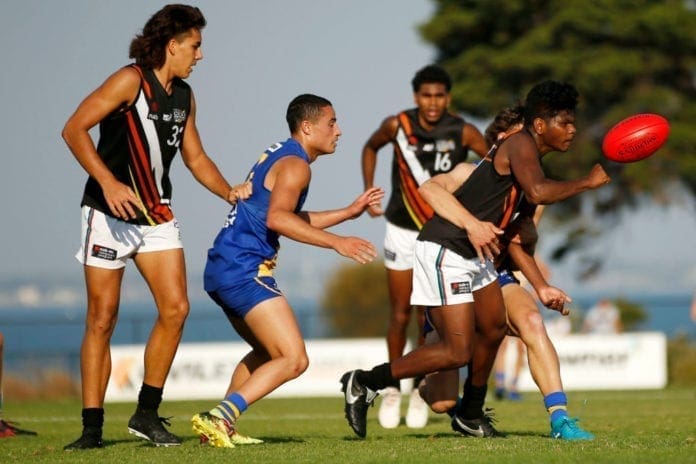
[(100, 321), (532, 324), (456, 356), (494, 335), (442, 406), (399, 319), (101, 326), (296, 365), (175, 313)]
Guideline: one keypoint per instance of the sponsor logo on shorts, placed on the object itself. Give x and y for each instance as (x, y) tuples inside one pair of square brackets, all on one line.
[(103, 252), (460, 288), (390, 255)]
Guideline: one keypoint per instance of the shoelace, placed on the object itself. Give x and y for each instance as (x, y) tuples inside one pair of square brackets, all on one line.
[(572, 422), (489, 416), (166, 421)]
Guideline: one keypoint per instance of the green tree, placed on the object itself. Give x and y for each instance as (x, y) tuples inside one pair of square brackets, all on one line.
[(632, 314), (624, 56), (356, 300)]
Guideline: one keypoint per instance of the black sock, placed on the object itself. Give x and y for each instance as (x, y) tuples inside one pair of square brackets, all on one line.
[(474, 398), (378, 378), (93, 418), (150, 397)]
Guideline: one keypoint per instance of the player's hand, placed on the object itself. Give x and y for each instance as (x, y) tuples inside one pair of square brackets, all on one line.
[(598, 176), (484, 236), (375, 211), (357, 249), (239, 192), (554, 298), (370, 199), (121, 200)]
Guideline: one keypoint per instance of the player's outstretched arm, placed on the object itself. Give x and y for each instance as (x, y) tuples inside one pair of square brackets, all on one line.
[(289, 177), (551, 297), (539, 189), (323, 219)]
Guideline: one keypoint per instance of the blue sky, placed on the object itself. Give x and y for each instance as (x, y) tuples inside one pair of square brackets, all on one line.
[(257, 57)]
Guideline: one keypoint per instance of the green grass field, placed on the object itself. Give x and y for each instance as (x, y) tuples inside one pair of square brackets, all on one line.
[(631, 427)]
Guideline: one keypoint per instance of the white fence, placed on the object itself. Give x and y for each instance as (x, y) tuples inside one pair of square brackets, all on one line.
[(203, 370)]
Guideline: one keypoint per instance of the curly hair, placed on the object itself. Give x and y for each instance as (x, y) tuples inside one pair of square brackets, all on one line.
[(503, 121), (431, 74), (170, 22), (305, 107), (547, 99)]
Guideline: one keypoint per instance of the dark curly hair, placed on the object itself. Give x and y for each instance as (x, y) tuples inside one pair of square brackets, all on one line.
[(305, 107), (170, 22), (503, 121), (431, 74), (547, 99)]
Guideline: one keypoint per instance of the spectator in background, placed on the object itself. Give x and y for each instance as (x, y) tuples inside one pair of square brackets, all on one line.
[(693, 308), (603, 318)]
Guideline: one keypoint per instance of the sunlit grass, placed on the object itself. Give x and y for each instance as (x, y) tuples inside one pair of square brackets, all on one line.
[(643, 426)]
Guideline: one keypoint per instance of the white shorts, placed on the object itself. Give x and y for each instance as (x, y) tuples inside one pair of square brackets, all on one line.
[(398, 247), (108, 242), (442, 277)]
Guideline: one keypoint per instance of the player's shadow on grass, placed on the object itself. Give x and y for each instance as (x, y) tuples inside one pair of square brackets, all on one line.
[(266, 440), (504, 434), (352, 438), (525, 433), (120, 441), (279, 440)]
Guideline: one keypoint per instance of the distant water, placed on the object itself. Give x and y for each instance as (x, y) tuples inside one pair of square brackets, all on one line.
[(53, 335)]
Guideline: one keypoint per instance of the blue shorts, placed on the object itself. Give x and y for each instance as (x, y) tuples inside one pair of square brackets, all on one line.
[(427, 325), (237, 300), (506, 277)]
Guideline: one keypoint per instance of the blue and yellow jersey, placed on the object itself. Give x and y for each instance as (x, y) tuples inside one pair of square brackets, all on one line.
[(246, 248)]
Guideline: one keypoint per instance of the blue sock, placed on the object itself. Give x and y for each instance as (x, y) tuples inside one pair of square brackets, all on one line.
[(499, 380), (556, 404), (231, 407)]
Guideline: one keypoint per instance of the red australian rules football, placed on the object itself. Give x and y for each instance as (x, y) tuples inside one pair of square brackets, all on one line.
[(635, 138)]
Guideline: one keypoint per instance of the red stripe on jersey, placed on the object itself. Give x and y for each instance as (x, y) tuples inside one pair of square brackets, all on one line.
[(419, 210), (509, 206), (143, 174), (416, 205), (145, 83)]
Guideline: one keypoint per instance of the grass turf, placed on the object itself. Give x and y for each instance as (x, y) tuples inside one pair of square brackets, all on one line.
[(631, 426)]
